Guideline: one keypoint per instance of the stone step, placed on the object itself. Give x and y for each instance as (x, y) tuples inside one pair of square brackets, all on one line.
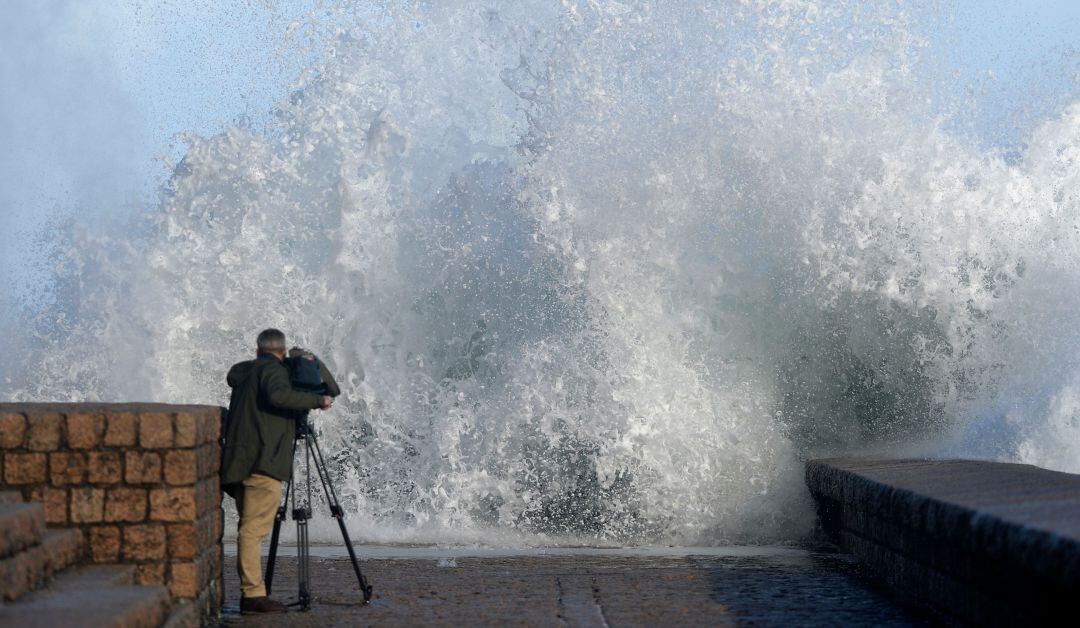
[(11, 497), (63, 548), (21, 526), (29, 568), (98, 596)]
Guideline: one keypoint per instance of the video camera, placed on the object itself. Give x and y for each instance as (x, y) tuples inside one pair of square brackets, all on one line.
[(305, 376)]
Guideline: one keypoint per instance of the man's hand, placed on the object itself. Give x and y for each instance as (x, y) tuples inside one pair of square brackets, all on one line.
[(325, 402)]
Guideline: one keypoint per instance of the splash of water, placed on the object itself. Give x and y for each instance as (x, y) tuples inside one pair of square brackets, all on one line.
[(604, 271)]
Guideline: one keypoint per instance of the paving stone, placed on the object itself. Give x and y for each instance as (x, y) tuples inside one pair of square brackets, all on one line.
[(806, 589)]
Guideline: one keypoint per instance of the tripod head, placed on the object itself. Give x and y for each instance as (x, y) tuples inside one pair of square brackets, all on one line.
[(304, 426)]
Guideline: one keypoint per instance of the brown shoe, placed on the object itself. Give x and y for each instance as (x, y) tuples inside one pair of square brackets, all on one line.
[(251, 605)]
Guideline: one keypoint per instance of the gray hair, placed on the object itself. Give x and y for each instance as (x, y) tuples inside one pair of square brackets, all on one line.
[(271, 341)]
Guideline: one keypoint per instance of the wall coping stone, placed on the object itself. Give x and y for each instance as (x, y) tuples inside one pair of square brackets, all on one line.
[(1004, 537)]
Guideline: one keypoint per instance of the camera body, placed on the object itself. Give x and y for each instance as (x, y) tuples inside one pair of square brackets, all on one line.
[(305, 376)]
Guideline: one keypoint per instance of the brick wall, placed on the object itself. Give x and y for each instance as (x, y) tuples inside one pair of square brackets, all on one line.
[(140, 480)]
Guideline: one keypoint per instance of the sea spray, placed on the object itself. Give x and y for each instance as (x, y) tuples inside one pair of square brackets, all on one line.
[(602, 272)]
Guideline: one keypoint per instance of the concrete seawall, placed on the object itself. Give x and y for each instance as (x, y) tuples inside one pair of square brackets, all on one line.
[(980, 542)]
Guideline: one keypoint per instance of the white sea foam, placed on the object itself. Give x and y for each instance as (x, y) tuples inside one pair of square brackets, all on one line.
[(706, 243)]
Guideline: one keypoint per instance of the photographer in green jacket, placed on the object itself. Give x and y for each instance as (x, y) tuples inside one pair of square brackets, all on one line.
[(258, 453)]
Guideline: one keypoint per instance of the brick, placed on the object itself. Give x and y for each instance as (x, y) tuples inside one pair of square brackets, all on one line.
[(210, 492), (204, 531), (67, 468), (183, 580), (120, 430), (55, 501), (210, 426), (105, 544), (142, 467), (172, 504), (155, 430), (214, 554), (125, 504), (180, 467), (203, 564), (200, 498), (12, 430), (182, 541), (87, 505), (25, 468), (104, 467), (44, 432), (150, 574), (85, 430), (208, 530), (186, 429), (208, 460), (202, 462), (144, 542)]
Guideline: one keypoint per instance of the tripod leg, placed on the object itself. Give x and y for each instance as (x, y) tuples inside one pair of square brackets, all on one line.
[(339, 514), (301, 514), (268, 579), (302, 573)]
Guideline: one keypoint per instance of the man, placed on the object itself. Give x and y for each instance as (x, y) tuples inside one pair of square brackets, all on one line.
[(258, 453)]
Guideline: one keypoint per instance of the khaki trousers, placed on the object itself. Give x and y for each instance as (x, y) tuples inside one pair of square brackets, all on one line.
[(256, 503)]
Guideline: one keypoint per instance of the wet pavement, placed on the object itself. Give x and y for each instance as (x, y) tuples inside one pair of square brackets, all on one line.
[(666, 586)]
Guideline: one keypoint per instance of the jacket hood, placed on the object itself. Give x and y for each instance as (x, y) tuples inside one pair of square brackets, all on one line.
[(239, 372)]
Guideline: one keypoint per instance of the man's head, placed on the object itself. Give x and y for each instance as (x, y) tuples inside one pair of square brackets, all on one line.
[(272, 342)]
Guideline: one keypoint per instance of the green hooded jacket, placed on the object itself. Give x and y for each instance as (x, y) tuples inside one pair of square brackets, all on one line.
[(259, 430)]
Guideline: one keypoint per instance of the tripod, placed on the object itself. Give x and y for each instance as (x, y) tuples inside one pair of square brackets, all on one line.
[(302, 512)]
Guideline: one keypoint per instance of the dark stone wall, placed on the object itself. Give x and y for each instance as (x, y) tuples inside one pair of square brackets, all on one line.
[(964, 540)]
